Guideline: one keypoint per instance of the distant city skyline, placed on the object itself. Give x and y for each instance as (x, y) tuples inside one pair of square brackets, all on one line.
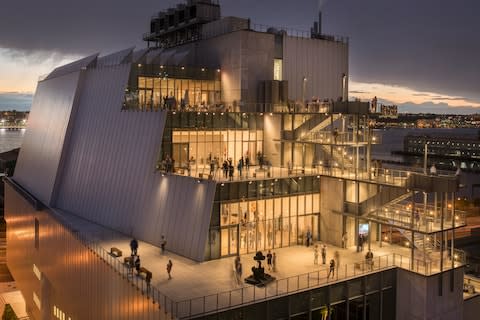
[(420, 56)]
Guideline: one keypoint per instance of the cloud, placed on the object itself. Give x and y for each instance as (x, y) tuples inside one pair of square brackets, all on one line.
[(357, 92), (399, 95), (414, 44)]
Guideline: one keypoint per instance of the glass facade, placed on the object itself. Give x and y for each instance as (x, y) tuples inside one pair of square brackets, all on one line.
[(249, 216), (250, 226), (202, 141), (153, 87)]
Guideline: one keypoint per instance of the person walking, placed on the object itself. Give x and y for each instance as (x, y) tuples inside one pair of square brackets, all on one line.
[(315, 255), (369, 259), (169, 269), (269, 260), (309, 237), (344, 240), (163, 243), (331, 271), (274, 262), (239, 272), (134, 246), (417, 218), (324, 254), (336, 257), (236, 264)]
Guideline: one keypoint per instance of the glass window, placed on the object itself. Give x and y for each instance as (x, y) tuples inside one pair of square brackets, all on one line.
[(277, 69)]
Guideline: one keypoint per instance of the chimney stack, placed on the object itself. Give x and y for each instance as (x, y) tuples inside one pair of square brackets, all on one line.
[(319, 22)]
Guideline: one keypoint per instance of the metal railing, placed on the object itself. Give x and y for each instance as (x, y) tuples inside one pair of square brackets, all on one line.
[(341, 138), (251, 294), (425, 221), (127, 272), (295, 32), (333, 169)]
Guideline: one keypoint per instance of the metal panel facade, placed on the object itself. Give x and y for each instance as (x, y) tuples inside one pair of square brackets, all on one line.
[(41, 151), (109, 171), (67, 275), (322, 63)]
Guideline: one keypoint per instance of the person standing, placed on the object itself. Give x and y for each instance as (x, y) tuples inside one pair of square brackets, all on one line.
[(331, 271), (309, 237), (240, 167), (134, 246), (360, 243), (169, 269), (137, 264), (269, 260), (225, 169), (315, 255), (163, 243), (230, 172), (324, 254)]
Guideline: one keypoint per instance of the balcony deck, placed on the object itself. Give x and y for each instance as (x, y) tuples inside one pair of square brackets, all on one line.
[(390, 177)]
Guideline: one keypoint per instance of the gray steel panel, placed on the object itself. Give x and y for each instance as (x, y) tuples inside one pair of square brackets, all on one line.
[(73, 67), (109, 174), (42, 146)]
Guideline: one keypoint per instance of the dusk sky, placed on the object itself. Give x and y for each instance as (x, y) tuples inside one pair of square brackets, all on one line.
[(422, 55)]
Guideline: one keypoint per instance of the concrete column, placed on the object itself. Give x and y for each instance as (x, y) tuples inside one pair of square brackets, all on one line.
[(452, 244), (441, 232), (412, 243)]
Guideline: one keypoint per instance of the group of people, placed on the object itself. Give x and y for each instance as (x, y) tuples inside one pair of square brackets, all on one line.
[(135, 259), (168, 164), (334, 262), (228, 168), (362, 238)]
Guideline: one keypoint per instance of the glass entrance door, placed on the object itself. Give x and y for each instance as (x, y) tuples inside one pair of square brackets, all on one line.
[(230, 241)]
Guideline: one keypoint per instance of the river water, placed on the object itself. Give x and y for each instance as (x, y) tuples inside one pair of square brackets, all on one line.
[(11, 139), (392, 139)]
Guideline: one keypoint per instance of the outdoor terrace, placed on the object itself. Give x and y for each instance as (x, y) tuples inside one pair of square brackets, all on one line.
[(199, 288)]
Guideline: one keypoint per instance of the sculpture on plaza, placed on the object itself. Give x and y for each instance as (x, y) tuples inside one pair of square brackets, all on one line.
[(259, 277)]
